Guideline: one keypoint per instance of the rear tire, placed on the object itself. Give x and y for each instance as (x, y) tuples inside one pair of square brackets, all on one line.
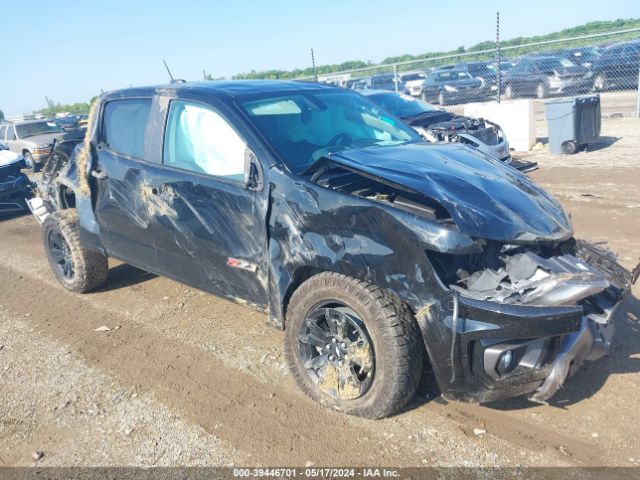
[(508, 92), (76, 268), (372, 385)]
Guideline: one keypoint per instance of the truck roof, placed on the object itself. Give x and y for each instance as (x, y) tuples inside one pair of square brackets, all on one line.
[(229, 89)]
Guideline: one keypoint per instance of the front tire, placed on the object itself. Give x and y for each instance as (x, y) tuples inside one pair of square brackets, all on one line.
[(76, 268), (541, 91), (442, 101), (31, 164), (600, 83), (352, 347)]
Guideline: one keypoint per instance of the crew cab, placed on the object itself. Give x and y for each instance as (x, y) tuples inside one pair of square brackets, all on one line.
[(369, 247)]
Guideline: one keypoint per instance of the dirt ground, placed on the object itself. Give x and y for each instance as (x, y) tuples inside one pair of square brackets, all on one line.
[(184, 378)]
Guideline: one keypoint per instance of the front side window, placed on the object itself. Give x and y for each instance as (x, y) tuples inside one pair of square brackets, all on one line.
[(125, 124), (200, 140), (304, 127), (2, 130)]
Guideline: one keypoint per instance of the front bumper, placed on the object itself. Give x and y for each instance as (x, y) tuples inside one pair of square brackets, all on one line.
[(569, 87), (591, 342), (485, 351), (14, 191)]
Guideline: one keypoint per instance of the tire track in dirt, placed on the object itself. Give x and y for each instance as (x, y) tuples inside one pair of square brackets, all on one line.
[(520, 432), (270, 424)]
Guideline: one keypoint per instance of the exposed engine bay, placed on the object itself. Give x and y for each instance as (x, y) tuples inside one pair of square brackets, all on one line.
[(563, 274), (478, 133)]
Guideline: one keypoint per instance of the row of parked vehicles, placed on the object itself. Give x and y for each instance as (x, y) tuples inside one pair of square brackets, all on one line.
[(371, 248), (567, 72)]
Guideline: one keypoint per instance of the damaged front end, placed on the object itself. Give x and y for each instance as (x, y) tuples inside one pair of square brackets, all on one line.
[(515, 304), (579, 284)]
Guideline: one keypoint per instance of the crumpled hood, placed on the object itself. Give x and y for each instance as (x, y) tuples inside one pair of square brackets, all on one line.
[(485, 198)]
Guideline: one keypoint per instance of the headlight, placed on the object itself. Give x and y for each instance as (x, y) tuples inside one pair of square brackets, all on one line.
[(449, 88)]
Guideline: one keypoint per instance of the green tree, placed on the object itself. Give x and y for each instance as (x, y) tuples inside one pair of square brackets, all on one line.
[(587, 28)]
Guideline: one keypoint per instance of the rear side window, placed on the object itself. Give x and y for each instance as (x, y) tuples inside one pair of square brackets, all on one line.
[(124, 125)]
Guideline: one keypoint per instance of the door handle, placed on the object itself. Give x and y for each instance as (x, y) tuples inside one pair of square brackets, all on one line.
[(99, 174)]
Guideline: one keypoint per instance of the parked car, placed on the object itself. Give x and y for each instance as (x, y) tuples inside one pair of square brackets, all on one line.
[(450, 86), (370, 247), (544, 76), (32, 139), (487, 74), (386, 81), (413, 82), (617, 67), (436, 125), (15, 186)]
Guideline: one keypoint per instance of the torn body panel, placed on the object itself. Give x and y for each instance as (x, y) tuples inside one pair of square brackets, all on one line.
[(486, 200)]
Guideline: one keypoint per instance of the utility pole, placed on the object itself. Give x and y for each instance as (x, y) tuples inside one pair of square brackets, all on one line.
[(313, 64), (499, 86), (638, 95)]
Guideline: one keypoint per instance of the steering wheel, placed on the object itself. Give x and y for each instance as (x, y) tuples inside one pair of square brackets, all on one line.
[(340, 140)]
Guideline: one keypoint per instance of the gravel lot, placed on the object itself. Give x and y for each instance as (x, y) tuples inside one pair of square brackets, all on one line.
[(184, 378)]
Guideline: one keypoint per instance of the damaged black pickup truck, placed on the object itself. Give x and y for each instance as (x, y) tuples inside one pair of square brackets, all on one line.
[(372, 249)]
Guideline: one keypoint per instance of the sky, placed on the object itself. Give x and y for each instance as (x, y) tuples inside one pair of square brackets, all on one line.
[(70, 50)]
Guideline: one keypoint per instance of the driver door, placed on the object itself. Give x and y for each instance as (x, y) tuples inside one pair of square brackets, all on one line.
[(209, 229)]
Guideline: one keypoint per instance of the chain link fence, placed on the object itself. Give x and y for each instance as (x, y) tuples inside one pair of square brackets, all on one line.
[(607, 63)]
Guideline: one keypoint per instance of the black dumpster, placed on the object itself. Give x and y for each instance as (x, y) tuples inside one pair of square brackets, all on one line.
[(572, 122)]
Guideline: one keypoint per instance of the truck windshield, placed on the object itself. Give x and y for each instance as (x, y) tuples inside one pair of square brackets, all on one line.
[(36, 128), (303, 127)]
